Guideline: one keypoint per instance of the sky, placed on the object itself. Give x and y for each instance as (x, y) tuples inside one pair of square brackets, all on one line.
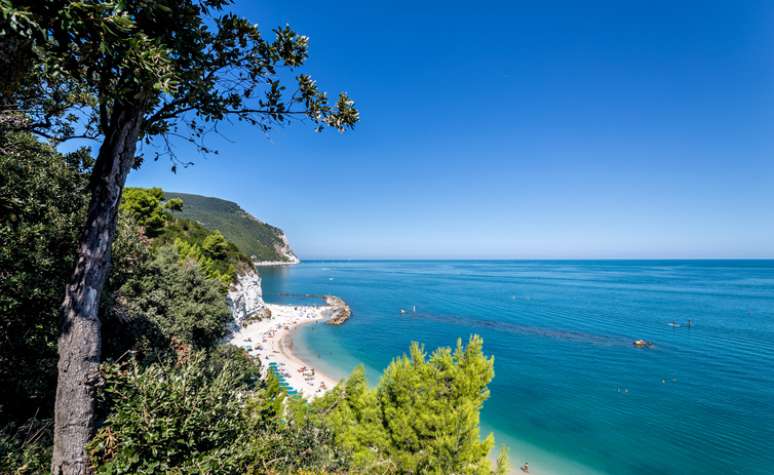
[(505, 130)]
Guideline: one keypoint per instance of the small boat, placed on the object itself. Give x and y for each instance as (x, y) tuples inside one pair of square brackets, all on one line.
[(402, 311)]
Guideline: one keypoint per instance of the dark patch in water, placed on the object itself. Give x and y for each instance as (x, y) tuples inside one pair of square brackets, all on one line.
[(557, 334)]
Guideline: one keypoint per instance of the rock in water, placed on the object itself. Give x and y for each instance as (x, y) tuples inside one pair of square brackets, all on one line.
[(340, 311)]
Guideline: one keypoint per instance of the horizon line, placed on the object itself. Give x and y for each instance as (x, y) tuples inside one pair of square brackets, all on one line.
[(507, 259)]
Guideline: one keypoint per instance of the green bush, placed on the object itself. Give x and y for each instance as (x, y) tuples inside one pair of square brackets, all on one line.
[(202, 416), (217, 269), (168, 302)]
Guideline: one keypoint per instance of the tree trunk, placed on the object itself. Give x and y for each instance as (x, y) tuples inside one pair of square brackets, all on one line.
[(80, 337)]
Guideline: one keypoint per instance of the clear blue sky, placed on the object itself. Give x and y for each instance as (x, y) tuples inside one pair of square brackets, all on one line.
[(556, 129)]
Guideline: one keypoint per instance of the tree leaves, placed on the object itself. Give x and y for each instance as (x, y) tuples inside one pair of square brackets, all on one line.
[(423, 417), (186, 63)]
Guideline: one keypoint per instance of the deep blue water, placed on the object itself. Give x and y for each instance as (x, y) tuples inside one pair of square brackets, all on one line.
[(571, 394)]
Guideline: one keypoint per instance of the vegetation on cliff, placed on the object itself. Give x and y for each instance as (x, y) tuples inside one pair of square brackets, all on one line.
[(254, 238)]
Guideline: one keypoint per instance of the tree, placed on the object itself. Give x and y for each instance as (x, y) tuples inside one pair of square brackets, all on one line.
[(215, 245), (431, 409), (423, 417), (175, 204), (144, 206), (120, 72)]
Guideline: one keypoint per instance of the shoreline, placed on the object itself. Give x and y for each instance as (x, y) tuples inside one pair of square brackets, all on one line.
[(271, 341), (275, 337), (276, 263)]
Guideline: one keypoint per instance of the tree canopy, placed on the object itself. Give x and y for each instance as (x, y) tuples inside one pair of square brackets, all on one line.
[(423, 417), (186, 64)]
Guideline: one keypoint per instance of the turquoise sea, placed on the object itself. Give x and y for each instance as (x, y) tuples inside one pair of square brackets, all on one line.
[(571, 394)]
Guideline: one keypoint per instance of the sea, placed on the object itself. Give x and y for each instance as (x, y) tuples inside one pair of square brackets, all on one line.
[(571, 393)]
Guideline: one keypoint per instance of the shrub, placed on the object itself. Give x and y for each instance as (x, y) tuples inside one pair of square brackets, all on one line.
[(168, 300), (203, 416), (163, 419)]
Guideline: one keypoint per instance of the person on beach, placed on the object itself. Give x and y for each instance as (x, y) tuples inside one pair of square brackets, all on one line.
[(525, 467)]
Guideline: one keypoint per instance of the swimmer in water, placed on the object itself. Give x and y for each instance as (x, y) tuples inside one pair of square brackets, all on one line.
[(525, 467)]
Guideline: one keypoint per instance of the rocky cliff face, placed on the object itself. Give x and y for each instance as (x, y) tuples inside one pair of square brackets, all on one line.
[(283, 249), (245, 298)]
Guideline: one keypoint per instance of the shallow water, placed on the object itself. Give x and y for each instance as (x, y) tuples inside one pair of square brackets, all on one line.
[(571, 394)]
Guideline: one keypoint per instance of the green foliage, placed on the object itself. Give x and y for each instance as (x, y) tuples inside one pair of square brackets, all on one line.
[(42, 205), (352, 412), (145, 206), (26, 449), (422, 418), (218, 269), (251, 236), (174, 204), (170, 300), (431, 409), (184, 64), (215, 246), (202, 416), (165, 419), (148, 207)]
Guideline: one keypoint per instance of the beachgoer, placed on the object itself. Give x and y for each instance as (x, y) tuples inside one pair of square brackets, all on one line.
[(525, 467)]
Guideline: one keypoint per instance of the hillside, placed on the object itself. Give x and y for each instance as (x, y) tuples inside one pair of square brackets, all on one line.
[(254, 238)]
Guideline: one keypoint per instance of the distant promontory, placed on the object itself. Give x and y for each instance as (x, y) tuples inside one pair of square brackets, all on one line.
[(264, 243)]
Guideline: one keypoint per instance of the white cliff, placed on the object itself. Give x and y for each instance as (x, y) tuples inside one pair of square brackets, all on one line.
[(245, 298)]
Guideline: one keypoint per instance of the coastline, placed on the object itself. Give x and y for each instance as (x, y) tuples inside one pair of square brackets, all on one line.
[(275, 336), (271, 341), (290, 262)]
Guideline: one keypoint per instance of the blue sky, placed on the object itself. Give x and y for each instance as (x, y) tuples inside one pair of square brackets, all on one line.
[(516, 130)]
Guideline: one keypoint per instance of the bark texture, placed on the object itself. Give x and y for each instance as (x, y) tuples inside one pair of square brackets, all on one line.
[(80, 337)]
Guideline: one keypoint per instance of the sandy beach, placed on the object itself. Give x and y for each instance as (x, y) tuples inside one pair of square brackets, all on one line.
[(270, 340)]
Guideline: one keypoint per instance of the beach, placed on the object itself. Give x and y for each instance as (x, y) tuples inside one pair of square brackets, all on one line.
[(271, 341)]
